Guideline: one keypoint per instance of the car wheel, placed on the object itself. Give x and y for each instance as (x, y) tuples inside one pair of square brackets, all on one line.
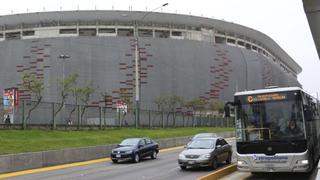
[(154, 155), (114, 160), (228, 161), (214, 163), (136, 158), (183, 167)]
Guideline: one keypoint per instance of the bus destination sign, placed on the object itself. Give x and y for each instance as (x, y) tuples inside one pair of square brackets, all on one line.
[(266, 97)]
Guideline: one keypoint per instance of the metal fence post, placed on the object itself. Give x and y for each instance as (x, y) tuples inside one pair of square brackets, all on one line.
[(53, 119), (150, 125), (104, 116), (24, 123), (78, 108), (193, 124), (119, 119), (183, 125), (162, 122), (100, 118), (174, 119), (227, 122)]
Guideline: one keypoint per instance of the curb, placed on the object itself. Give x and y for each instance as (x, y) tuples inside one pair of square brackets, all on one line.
[(220, 173)]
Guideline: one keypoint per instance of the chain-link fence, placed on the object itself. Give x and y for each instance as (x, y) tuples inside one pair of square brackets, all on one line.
[(55, 115)]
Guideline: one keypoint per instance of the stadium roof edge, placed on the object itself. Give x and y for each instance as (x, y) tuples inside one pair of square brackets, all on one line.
[(120, 15)]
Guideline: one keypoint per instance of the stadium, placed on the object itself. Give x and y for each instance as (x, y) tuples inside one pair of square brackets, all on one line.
[(180, 55)]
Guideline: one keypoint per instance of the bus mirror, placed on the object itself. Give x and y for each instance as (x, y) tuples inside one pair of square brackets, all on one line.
[(230, 103), (226, 110), (308, 113)]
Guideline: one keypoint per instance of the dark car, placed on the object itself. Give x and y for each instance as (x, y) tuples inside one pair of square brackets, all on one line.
[(135, 149), (205, 152)]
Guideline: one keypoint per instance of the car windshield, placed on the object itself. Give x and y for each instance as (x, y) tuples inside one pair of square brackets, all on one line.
[(201, 144), (130, 142), (204, 135)]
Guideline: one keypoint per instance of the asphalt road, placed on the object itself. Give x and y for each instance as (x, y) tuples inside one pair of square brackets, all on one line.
[(272, 176), (164, 167)]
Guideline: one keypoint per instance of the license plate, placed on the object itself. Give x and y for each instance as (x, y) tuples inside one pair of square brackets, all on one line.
[(118, 155), (191, 162)]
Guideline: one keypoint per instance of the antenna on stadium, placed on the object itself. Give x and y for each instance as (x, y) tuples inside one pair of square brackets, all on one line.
[(78, 7), (112, 7), (95, 7), (44, 9), (27, 10), (60, 8)]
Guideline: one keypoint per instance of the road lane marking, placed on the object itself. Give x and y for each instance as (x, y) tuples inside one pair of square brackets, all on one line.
[(63, 166), (31, 171), (53, 168), (171, 149)]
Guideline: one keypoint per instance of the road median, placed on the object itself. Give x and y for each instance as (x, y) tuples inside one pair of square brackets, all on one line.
[(220, 173)]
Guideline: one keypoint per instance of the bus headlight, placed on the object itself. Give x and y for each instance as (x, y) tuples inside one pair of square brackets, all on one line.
[(241, 163), (304, 162)]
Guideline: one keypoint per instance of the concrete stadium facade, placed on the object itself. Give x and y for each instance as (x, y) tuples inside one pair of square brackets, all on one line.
[(180, 55)]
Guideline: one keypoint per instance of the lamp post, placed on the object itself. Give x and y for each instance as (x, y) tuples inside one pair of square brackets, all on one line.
[(63, 57), (137, 61)]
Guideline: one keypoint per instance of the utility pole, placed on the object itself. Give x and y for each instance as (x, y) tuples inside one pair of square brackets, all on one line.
[(137, 69)]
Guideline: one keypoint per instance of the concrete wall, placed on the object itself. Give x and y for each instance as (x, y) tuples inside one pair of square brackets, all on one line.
[(24, 161), (168, 67)]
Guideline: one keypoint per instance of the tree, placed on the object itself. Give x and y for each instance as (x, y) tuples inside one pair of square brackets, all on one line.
[(169, 104), (35, 87), (161, 102), (217, 106), (173, 103), (197, 104), (76, 93), (85, 94), (67, 84)]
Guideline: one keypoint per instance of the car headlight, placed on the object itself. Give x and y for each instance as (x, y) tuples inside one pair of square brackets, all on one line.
[(303, 161), (129, 152), (181, 156), (206, 156), (114, 152)]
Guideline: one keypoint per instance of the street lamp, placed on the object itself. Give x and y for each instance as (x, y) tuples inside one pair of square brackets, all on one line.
[(137, 61), (63, 57)]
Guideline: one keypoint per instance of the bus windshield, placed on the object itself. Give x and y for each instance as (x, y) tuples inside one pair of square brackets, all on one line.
[(275, 120)]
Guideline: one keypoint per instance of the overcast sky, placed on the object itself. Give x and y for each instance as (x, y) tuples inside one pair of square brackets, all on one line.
[(282, 20)]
